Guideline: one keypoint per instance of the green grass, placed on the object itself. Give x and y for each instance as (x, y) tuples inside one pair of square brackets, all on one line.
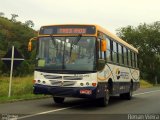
[(145, 84), (22, 89)]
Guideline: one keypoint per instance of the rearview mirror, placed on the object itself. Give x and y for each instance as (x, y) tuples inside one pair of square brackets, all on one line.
[(101, 64), (30, 43), (103, 45), (30, 46)]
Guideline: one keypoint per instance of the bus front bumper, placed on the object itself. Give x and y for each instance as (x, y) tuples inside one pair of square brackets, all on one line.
[(81, 92)]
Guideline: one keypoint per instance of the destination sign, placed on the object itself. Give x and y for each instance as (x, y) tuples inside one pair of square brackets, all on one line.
[(68, 29), (72, 31)]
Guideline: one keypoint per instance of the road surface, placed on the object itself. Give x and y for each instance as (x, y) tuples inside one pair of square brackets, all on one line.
[(144, 105)]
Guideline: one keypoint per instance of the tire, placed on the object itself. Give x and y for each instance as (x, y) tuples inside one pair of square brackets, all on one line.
[(127, 96), (58, 100), (103, 102)]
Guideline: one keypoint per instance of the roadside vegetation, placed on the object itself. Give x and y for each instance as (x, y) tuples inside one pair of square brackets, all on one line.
[(13, 32), (22, 89), (146, 38), (145, 84)]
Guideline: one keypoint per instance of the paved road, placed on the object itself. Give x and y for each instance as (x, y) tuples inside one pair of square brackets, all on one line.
[(145, 102)]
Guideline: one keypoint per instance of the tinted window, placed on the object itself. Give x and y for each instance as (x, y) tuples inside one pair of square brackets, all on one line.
[(120, 53), (114, 52)]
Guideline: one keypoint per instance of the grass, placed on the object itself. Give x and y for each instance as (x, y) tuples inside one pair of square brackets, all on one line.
[(22, 89), (145, 84)]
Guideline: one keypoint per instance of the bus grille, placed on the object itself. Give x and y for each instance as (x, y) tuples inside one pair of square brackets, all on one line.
[(68, 83), (62, 83), (56, 83), (72, 78), (52, 77), (62, 77)]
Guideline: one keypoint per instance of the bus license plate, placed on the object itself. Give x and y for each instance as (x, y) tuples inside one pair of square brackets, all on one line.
[(88, 92)]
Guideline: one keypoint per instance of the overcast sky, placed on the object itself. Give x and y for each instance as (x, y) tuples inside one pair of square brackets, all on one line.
[(110, 14)]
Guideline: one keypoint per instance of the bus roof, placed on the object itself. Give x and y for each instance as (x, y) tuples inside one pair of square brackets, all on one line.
[(103, 30), (116, 38)]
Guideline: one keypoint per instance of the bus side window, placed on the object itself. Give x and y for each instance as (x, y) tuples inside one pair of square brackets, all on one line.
[(102, 54), (108, 52), (117, 53), (133, 59), (99, 49), (129, 58), (136, 60), (135, 65), (120, 53), (111, 50), (125, 55), (114, 52)]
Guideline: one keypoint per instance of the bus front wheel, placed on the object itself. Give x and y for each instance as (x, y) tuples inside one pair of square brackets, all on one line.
[(128, 95), (58, 100), (104, 100)]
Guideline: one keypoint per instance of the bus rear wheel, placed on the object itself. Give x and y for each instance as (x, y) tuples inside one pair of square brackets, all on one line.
[(128, 95), (58, 100)]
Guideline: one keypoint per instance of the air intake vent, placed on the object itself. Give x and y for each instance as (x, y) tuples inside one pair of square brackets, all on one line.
[(72, 78), (52, 77), (68, 83), (56, 83)]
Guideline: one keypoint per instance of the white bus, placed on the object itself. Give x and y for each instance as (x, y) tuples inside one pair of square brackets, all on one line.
[(84, 61)]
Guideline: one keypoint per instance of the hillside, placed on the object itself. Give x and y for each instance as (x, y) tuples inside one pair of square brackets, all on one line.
[(15, 33)]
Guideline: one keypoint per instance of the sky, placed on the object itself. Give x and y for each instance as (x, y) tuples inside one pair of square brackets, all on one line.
[(110, 14)]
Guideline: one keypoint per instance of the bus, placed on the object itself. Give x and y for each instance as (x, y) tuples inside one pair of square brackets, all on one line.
[(84, 61)]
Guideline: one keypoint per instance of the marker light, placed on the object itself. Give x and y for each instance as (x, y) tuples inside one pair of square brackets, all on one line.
[(81, 84), (87, 83), (94, 84), (34, 81)]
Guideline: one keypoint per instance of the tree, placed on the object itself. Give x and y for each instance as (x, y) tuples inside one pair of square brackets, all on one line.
[(29, 23), (13, 18), (145, 37), (1, 14), (15, 33)]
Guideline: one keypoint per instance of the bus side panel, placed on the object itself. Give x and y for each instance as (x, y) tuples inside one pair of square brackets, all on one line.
[(120, 77)]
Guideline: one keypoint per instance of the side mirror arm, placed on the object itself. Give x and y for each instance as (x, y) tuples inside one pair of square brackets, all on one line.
[(30, 43)]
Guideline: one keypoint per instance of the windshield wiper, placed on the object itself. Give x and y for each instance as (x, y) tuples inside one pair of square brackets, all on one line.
[(76, 42), (53, 41)]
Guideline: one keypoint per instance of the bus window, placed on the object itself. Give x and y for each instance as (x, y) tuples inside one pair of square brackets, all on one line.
[(120, 53), (101, 53), (111, 50), (125, 55), (129, 58), (132, 59), (108, 52), (99, 49), (114, 52), (136, 60), (117, 53)]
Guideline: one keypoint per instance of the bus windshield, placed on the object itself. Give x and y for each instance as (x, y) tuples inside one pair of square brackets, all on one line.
[(66, 53)]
